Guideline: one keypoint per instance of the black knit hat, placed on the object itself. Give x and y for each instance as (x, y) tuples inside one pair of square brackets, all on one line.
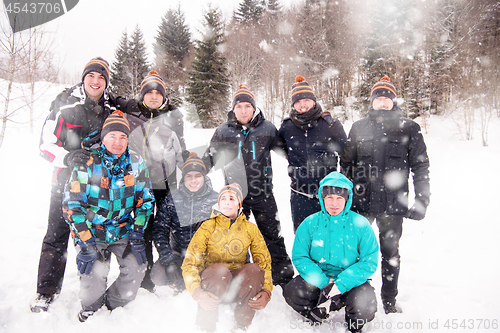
[(153, 81), (301, 90), (115, 122), (193, 163), (243, 95), (383, 88), (98, 65), (234, 188), (327, 190)]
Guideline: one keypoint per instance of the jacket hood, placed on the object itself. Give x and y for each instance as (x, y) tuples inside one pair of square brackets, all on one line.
[(338, 180)]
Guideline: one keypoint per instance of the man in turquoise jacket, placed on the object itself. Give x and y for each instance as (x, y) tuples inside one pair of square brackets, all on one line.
[(335, 252)]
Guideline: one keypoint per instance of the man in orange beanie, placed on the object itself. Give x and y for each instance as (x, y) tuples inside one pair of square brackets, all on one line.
[(313, 140), (76, 117), (381, 151)]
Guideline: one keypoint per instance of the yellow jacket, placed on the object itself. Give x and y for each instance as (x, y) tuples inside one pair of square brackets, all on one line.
[(217, 241)]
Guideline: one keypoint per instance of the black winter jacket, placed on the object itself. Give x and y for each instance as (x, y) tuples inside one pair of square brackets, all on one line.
[(380, 152), (179, 216), (245, 153), (72, 118), (313, 153)]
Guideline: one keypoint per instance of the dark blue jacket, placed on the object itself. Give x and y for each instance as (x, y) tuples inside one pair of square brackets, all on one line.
[(313, 153), (179, 216)]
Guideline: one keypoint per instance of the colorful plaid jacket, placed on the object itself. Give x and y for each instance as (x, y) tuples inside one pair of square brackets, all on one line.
[(108, 197)]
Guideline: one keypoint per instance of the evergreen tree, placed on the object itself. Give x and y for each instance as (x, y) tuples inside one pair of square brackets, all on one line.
[(249, 11), (119, 68), (208, 79), (172, 48), (173, 36), (139, 67), (130, 65)]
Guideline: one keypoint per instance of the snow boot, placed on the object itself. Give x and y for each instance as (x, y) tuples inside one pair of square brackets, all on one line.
[(42, 302), (391, 307)]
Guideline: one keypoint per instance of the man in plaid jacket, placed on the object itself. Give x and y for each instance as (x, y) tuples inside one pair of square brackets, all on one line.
[(107, 203)]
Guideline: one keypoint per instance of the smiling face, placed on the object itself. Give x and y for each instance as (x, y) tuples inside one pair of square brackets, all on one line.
[(94, 85), (153, 99), (116, 142), (334, 204), (229, 205), (194, 180), (304, 105), (244, 112), (382, 103)]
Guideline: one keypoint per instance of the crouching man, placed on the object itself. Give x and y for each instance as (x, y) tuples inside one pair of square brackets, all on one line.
[(335, 252), (107, 203)]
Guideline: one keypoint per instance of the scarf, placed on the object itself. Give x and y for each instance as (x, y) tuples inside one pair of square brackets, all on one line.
[(307, 119)]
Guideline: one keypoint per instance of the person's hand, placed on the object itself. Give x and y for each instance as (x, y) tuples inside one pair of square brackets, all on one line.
[(77, 157), (87, 256), (206, 299), (137, 246), (417, 211), (260, 300)]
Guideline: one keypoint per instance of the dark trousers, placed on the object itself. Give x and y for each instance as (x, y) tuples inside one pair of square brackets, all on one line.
[(360, 302), (54, 251), (265, 211), (230, 286), (390, 231), (302, 207)]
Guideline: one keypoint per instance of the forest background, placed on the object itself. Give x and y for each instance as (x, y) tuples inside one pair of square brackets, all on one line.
[(442, 55)]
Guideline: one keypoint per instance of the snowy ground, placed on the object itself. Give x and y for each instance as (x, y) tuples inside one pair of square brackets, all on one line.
[(448, 275)]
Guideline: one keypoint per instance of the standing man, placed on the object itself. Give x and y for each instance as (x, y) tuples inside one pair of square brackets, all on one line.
[(107, 203), (158, 136), (381, 151), (243, 145), (313, 141), (76, 115)]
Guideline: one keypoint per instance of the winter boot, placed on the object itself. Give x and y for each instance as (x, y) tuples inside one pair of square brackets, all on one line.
[(42, 302), (83, 315), (391, 307)]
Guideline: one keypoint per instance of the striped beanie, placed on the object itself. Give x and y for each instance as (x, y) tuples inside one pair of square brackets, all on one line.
[(153, 81), (340, 191), (193, 163), (115, 122), (301, 90), (234, 188), (383, 88), (243, 95), (98, 65)]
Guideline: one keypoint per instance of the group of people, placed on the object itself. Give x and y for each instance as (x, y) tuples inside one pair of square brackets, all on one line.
[(115, 191)]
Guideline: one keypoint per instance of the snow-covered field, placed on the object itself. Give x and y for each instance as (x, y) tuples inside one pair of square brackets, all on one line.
[(449, 260)]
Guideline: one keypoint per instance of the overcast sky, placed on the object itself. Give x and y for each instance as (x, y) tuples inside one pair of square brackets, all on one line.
[(94, 27)]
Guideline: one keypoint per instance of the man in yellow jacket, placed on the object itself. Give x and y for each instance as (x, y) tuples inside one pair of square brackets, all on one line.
[(215, 263)]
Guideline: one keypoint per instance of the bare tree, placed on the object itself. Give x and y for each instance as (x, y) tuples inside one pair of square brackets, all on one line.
[(26, 58)]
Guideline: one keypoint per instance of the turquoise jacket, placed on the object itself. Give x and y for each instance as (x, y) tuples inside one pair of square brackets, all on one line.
[(342, 247)]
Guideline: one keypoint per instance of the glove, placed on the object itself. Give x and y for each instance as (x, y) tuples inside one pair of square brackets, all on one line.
[(87, 256), (417, 211), (77, 157), (137, 246), (185, 155), (329, 300)]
